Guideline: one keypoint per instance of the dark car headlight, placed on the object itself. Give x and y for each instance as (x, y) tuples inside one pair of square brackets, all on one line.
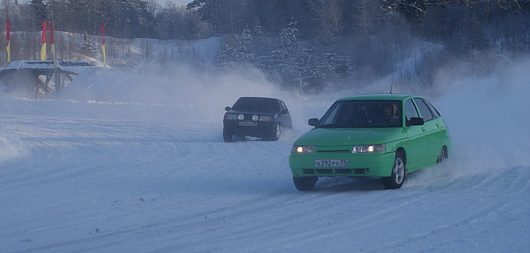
[(230, 116)]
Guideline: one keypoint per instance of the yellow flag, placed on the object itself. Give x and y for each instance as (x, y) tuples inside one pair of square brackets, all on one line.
[(8, 49), (43, 55), (104, 52)]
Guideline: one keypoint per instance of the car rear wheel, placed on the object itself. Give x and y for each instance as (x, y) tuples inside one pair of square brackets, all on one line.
[(227, 135), (305, 183), (399, 173)]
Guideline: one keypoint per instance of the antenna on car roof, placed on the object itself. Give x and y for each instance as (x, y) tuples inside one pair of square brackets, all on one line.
[(392, 84)]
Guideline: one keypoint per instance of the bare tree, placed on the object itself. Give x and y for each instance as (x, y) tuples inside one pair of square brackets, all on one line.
[(329, 14)]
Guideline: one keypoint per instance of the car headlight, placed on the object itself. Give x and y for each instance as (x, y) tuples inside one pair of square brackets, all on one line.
[(265, 118), (255, 117), (376, 148), (303, 149), (230, 116), (240, 117)]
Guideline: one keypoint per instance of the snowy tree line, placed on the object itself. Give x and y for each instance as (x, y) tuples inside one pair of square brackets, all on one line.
[(319, 43), (308, 44)]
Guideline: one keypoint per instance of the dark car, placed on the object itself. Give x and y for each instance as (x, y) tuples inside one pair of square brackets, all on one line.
[(256, 116)]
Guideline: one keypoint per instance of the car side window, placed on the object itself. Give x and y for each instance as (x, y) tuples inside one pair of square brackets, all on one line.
[(425, 112), (410, 110), (433, 110), (283, 107)]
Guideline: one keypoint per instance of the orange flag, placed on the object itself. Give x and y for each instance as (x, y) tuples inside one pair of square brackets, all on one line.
[(43, 55), (103, 44)]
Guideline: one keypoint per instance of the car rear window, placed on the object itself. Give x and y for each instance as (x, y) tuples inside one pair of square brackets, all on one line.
[(256, 105)]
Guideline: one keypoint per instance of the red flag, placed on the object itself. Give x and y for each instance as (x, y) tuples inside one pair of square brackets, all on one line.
[(8, 29), (44, 32), (52, 38)]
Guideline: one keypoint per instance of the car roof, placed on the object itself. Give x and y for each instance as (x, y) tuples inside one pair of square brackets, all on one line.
[(399, 96), (259, 98)]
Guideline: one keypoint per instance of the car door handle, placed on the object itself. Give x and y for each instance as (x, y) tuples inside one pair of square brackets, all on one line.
[(423, 129)]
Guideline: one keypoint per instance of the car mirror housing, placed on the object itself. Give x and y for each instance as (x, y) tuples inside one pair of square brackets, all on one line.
[(227, 108), (313, 122), (415, 122)]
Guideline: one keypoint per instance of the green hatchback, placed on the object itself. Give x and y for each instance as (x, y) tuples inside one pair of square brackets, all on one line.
[(382, 135)]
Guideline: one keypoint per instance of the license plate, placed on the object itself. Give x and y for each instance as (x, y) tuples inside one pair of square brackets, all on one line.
[(331, 163), (248, 123)]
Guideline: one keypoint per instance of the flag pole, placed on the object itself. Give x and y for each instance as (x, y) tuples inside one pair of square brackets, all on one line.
[(8, 40), (103, 44)]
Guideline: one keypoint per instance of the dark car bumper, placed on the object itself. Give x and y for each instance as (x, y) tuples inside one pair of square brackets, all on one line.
[(260, 129)]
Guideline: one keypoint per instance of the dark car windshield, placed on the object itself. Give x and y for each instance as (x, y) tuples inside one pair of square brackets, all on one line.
[(363, 114), (248, 104)]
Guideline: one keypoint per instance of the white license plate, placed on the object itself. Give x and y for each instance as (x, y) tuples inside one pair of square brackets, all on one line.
[(248, 123), (331, 163)]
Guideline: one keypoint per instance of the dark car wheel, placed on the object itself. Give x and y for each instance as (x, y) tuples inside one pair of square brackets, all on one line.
[(399, 172), (227, 135), (305, 183), (276, 132)]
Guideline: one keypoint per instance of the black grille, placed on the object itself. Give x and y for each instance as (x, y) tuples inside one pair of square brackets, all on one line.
[(324, 171), (334, 151), (309, 171), (343, 171), (359, 171), (335, 171)]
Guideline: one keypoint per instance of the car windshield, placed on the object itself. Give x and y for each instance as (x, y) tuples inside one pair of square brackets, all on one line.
[(363, 114), (256, 105)]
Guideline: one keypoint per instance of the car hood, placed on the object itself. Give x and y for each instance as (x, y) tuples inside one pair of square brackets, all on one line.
[(349, 136)]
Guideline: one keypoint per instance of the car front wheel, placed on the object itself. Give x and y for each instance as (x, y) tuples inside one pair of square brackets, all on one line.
[(399, 173), (276, 132), (305, 183), (443, 155), (227, 135)]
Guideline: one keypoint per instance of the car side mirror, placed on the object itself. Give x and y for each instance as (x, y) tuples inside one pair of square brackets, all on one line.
[(414, 121), (227, 108), (313, 122)]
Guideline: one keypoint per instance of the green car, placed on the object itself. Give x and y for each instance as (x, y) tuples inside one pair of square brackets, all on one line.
[(382, 135)]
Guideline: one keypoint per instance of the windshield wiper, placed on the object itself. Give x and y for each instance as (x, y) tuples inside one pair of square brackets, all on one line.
[(326, 126)]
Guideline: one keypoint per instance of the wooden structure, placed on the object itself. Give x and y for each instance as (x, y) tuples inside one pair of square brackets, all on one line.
[(39, 78)]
